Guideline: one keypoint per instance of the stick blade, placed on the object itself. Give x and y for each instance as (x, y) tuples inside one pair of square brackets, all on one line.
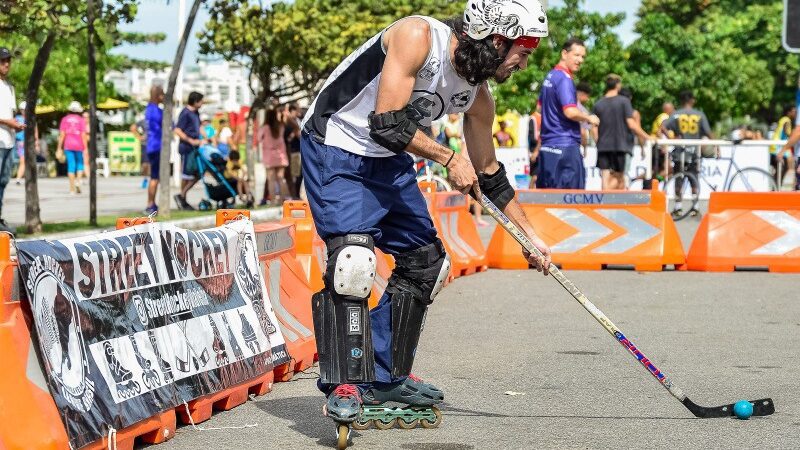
[(763, 407)]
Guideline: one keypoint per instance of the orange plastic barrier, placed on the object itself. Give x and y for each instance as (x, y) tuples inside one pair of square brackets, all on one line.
[(456, 228), (28, 415), (312, 253), (592, 230), (748, 229), (289, 294), (226, 215)]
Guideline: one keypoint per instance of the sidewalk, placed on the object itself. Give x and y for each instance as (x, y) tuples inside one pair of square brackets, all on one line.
[(116, 196)]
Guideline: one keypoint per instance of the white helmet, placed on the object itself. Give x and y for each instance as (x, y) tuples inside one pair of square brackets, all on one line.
[(22, 105), (509, 18)]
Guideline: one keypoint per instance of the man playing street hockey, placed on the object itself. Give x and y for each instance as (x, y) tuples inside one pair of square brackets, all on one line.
[(370, 114)]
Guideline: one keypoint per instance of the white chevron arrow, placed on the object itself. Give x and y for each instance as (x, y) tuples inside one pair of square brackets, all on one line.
[(589, 230), (785, 243), (638, 231)]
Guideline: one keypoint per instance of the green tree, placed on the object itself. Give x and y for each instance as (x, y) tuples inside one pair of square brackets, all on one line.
[(605, 54), (668, 58), (727, 50), (41, 26)]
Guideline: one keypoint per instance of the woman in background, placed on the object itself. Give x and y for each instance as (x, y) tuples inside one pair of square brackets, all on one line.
[(273, 155), (72, 139)]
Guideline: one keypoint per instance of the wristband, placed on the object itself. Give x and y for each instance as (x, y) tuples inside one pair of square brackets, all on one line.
[(453, 155)]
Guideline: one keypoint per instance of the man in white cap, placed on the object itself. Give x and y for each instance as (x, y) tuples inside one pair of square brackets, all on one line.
[(8, 128)]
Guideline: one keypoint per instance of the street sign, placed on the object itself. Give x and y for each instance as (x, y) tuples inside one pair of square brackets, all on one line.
[(791, 25)]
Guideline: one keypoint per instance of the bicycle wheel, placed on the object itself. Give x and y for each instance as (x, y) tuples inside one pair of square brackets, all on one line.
[(685, 188), (441, 184), (752, 179)]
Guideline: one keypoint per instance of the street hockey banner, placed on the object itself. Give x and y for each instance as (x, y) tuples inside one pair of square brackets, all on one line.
[(137, 321)]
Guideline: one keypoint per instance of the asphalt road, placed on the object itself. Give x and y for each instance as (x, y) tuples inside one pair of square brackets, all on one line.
[(721, 337)]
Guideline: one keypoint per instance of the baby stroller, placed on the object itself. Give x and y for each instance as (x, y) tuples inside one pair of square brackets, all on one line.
[(221, 190)]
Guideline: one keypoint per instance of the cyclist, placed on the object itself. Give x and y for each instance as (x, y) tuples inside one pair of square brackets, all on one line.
[(687, 123)]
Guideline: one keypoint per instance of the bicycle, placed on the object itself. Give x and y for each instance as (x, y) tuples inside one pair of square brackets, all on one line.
[(433, 173), (684, 180)]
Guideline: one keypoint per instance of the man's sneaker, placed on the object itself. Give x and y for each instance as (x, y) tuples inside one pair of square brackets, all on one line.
[(152, 209), (4, 228)]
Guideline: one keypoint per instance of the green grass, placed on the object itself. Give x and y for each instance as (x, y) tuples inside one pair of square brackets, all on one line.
[(106, 222)]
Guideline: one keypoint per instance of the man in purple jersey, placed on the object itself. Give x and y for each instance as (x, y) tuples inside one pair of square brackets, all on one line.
[(560, 160)]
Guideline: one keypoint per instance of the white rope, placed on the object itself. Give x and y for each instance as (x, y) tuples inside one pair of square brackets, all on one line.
[(196, 428), (112, 438)]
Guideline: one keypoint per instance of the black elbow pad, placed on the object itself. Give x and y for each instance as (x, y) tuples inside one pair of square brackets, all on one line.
[(392, 129), (497, 187)]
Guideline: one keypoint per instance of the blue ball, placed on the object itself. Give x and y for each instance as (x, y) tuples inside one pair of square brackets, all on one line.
[(743, 409)]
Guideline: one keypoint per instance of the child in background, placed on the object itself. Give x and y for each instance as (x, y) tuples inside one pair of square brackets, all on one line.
[(234, 173)]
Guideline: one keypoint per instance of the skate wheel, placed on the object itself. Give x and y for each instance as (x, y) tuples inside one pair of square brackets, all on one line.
[(381, 425), (342, 434), (428, 424), (407, 425), (361, 426)]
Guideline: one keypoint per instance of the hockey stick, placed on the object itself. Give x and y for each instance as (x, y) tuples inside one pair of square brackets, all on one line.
[(763, 407)]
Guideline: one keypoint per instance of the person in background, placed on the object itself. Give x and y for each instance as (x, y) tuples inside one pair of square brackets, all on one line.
[(292, 136), (584, 94), (637, 117), (534, 132), (660, 152), (207, 130), (503, 138), (8, 128), (73, 139), (454, 133), (153, 114), (782, 133), (560, 160), (273, 154), (790, 145), (614, 141), (139, 131), (234, 173), (20, 143), (225, 137), (188, 131), (688, 123)]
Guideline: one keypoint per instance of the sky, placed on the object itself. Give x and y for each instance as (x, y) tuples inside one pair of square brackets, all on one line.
[(158, 16)]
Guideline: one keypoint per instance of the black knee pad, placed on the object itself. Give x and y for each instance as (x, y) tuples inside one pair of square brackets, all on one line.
[(341, 314), (418, 277)]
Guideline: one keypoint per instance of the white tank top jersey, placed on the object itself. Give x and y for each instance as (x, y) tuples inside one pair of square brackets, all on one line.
[(338, 116)]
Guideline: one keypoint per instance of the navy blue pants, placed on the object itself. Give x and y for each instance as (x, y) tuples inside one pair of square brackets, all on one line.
[(353, 194), (561, 168)]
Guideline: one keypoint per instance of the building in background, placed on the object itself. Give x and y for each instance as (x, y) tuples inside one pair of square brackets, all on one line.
[(224, 84)]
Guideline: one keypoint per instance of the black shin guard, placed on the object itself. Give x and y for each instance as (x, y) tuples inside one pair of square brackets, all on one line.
[(408, 320), (417, 279), (344, 338)]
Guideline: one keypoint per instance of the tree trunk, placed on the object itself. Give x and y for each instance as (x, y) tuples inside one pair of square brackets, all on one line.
[(33, 220), (164, 198), (92, 63)]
